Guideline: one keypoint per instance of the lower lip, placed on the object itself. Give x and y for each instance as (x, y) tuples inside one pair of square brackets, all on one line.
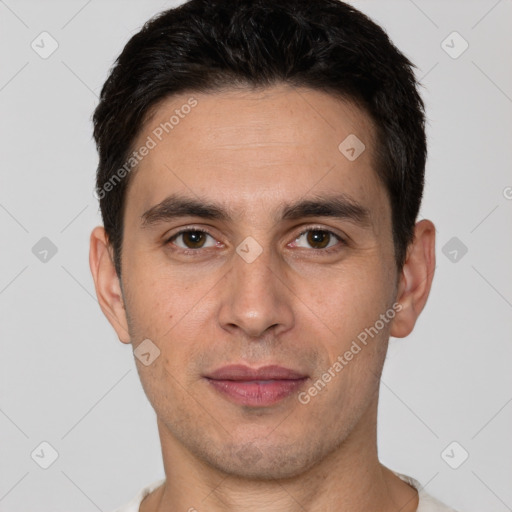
[(257, 393)]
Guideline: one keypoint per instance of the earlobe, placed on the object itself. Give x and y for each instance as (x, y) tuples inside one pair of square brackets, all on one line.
[(106, 283), (416, 279)]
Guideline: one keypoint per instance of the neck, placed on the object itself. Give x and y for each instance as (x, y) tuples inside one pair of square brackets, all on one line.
[(350, 478)]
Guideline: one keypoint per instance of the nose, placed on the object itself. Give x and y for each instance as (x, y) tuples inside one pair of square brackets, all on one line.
[(256, 298)]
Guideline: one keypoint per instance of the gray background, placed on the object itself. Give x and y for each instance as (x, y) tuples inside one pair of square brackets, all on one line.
[(67, 380)]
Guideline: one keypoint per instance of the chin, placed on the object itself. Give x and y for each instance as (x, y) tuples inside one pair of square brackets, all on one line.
[(262, 461)]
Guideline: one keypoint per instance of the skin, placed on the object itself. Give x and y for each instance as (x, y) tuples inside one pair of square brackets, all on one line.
[(251, 152)]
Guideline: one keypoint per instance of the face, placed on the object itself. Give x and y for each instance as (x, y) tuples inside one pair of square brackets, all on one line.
[(251, 239)]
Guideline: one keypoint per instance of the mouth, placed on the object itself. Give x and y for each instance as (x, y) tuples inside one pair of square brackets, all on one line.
[(260, 387)]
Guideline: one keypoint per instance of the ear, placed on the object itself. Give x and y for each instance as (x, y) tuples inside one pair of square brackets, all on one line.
[(415, 279), (106, 282)]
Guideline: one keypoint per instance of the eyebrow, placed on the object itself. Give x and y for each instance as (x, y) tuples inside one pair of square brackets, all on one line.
[(339, 207)]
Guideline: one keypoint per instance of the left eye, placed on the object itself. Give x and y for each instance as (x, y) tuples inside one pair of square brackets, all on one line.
[(317, 238), (193, 239)]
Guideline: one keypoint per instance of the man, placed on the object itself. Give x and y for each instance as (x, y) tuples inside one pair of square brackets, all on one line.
[(261, 170)]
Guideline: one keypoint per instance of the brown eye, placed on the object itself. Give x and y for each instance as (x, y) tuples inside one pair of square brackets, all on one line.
[(317, 239), (192, 239)]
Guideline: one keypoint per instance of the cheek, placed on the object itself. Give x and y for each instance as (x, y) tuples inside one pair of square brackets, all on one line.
[(348, 298), (354, 340), (149, 304), (350, 304), (160, 296)]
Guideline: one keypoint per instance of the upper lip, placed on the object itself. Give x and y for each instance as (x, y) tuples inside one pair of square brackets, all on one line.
[(245, 373)]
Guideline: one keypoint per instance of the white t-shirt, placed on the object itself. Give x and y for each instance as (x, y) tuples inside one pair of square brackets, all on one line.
[(426, 503)]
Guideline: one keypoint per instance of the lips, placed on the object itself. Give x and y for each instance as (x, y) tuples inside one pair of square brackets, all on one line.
[(259, 387), (245, 373)]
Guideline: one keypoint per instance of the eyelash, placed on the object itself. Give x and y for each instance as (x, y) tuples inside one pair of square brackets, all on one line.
[(341, 242), (188, 252), (196, 252)]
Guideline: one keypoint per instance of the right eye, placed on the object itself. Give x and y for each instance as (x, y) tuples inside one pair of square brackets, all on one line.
[(192, 239)]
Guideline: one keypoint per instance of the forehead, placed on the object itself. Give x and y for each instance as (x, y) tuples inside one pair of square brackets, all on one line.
[(239, 145)]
